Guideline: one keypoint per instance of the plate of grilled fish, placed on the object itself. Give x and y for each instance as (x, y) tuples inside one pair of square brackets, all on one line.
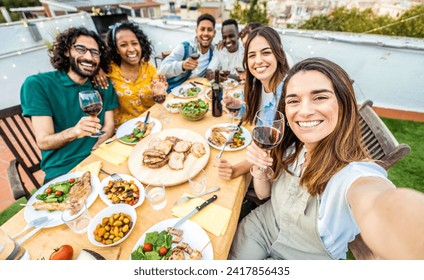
[(58, 194)]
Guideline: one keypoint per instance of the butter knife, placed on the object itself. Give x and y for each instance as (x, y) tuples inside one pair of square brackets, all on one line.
[(195, 211), (229, 139), (143, 130), (34, 231)]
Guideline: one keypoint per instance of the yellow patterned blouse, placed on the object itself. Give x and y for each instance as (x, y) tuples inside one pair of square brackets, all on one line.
[(134, 97)]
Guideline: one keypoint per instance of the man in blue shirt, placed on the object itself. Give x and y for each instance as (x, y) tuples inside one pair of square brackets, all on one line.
[(51, 99)]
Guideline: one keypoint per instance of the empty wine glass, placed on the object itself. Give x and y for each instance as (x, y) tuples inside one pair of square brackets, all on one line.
[(267, 134), (91, 103)]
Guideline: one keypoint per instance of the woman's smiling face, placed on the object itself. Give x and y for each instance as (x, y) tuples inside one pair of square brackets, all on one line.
[(311, 107), (261, 60), (128, 47)]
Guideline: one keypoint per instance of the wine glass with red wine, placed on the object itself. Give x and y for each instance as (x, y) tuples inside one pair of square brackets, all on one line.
[(194, 54), (240, 71), (234, 106), (91, 103), (267, 134)]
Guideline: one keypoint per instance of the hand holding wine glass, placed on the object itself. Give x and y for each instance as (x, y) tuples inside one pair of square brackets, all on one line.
[(233, 105), (267, 134), (92, 104)]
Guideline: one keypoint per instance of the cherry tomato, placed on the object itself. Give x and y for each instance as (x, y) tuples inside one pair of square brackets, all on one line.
[(49, 190), (72, 180), (147, 247), (132, 136), (58, 193), (64, 252), (163, 251)]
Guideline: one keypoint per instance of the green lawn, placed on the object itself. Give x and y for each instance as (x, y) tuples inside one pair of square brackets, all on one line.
[(408, 172)]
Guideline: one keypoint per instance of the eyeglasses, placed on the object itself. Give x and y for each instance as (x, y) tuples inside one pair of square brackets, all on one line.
[(82, 50)]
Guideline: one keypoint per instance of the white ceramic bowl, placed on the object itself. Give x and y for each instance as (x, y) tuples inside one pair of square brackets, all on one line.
[(127, 178), (107, 212)]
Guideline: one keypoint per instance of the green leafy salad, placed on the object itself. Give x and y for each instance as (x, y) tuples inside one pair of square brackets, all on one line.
[(135, 136), (157, 246), (57, 192)]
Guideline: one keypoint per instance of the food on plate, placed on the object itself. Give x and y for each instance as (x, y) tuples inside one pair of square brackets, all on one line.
[(182, 146), (157, 246), (197, 149), (164, 146), (137, 134), (194, 110), (122, 192), (64, 252), (113, 228), (209, 94), (172, 151), (230, 83), (174, 105), (57, 192), (59, 196), (218, 139), (189, 92), (176, 160), (154, 246), (87, 254), (82, 189)]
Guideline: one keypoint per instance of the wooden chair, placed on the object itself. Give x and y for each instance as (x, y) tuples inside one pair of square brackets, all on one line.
[(382, 146), (160, 57), (16, 132)]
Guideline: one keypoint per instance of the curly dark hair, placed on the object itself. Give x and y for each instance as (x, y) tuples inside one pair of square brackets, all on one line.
[(64, 42), (146, 45)]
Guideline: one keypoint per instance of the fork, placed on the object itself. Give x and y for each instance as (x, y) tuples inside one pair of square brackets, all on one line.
[(186, 197), (116, 177)]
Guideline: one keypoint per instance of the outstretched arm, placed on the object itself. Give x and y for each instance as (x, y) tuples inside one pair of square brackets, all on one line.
[(391, 220)]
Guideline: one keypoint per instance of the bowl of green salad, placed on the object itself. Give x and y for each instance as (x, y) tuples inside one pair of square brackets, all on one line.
[(194, 110)]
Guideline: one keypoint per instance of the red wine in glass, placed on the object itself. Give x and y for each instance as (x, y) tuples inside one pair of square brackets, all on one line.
[(224, 74), (266, 137), (93, 109), (267, 134), (234, 107), (92, 104), (195, 55)]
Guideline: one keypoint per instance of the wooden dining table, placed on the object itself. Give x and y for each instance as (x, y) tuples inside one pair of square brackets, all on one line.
[(230, 196)]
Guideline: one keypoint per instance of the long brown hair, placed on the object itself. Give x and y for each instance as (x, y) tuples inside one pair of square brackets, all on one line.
[(338, 149), (253, 87)]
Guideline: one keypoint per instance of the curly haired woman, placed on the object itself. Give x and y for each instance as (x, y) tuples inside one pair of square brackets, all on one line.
[(134, 78)]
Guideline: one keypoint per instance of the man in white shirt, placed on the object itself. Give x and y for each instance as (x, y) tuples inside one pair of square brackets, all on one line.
[(179, 65), (231, 56)]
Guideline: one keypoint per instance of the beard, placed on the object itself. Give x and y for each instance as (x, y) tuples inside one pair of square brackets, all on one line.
[(80, 70)]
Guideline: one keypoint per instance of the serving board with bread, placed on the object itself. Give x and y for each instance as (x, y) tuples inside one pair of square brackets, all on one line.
[(169, 157)]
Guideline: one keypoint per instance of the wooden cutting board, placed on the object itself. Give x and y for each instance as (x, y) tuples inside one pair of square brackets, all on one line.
[(166, 175)]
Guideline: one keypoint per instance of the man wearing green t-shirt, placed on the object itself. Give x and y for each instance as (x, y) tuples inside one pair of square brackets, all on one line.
[(51, 99)]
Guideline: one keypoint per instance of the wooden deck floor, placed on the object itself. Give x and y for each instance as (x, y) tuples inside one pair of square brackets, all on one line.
[(6, 198)]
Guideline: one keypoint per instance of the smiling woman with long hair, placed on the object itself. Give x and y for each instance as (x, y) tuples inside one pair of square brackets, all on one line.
[(266, 66), (326, 190)]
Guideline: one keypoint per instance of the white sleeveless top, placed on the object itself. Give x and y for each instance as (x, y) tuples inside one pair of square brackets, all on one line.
[(336, 224)]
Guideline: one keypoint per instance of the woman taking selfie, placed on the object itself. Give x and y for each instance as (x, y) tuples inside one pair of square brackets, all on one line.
[(326, 189)]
